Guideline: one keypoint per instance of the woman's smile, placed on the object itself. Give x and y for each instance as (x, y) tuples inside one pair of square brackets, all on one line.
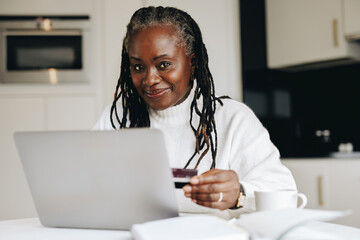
[(156, 93)]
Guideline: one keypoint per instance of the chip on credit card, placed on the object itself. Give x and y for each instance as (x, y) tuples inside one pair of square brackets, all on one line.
[(182, 176)]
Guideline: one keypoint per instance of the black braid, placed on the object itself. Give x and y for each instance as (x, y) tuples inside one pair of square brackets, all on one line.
[(134, 107)]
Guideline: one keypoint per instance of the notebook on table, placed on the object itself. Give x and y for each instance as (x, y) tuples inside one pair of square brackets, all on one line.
[(98, 179)]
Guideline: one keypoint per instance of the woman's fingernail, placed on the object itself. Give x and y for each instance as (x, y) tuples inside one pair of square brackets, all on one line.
[(194, 181), (193, 200), (187, 189)]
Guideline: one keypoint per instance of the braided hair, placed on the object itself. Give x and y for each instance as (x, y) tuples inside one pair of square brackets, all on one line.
[(134, 107)]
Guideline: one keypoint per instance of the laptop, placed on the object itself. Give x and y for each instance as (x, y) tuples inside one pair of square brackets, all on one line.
[(98, 179)]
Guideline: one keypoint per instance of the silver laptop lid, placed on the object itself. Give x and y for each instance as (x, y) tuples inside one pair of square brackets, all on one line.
[(98, 179)]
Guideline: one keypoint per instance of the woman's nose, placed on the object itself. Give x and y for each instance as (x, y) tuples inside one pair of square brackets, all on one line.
[(151, 77)]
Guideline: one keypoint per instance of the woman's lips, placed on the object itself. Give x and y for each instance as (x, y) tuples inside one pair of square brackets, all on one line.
[(156, 92)]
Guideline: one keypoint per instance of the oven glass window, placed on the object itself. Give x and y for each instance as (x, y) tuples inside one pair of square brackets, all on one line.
[(43, 52)]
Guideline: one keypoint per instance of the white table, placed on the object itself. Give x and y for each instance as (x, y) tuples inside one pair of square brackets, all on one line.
[(31, 229)]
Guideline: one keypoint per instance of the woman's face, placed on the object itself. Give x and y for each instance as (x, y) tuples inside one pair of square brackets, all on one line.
[(160, 69)]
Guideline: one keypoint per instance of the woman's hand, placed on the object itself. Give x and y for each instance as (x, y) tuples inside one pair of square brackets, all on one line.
[(207, 188)]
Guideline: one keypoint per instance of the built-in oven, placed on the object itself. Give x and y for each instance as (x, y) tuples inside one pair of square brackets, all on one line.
[(45, 49)]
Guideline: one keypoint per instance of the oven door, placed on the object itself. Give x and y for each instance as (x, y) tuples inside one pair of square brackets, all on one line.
[(33, 56)]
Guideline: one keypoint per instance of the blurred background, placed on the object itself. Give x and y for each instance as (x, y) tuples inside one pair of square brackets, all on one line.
[(294, 62)]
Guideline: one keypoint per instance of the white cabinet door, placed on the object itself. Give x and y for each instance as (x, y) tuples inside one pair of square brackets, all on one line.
[(303, 31), (351, 18), (71, 113), (17, 114), (331, 184), (344, 189), (311, 177)]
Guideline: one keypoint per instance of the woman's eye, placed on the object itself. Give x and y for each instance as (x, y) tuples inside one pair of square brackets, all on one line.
[(164, 65), (137, 67)]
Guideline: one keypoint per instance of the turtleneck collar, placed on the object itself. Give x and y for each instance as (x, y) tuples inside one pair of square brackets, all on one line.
[(175, 115)]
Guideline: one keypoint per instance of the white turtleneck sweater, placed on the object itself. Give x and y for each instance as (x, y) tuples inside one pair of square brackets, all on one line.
[(243, 146)]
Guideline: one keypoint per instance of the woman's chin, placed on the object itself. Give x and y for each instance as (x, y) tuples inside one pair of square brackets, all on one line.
[(158, 107)]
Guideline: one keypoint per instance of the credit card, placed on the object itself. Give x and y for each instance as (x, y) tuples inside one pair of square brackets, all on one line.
[(182, 176)]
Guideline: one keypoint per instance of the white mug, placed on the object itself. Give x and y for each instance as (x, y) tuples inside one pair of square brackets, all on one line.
[(279, 199)]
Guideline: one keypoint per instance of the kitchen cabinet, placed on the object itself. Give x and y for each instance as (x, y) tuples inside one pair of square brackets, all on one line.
[(311, 179), (304, 31), (331, 184), (351, 13), (17, 114), (38, 107), (34, 113), (71, 112), (344, 183)]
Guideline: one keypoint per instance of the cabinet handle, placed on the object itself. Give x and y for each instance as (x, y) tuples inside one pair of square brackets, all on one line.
[(320, 190), (335, 32)]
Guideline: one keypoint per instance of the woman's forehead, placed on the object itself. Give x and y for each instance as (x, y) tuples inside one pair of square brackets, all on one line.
[(159, 30), (158, 37)]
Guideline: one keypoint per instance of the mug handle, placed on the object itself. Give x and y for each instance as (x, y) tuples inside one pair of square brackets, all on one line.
[(303, 200)]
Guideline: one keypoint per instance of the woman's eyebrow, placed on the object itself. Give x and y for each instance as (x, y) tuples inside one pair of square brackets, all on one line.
[(163, 55), (155, 58), (135, 58)]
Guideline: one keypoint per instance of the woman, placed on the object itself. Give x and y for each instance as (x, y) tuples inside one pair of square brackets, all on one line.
[(165, 83)]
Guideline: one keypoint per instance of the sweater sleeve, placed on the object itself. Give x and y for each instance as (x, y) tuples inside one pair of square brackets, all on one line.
[(255, 158)]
